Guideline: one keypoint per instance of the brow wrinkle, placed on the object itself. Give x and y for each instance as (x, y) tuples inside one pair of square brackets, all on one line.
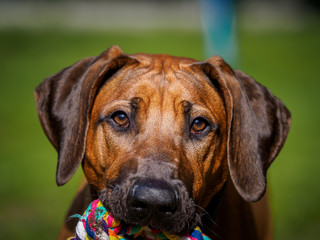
[(186, 105)]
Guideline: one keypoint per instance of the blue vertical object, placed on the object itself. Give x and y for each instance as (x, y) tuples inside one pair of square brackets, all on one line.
[(219, 29)]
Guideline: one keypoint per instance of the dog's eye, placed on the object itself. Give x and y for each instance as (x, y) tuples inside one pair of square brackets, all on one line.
[(121, 119), (198, 125)]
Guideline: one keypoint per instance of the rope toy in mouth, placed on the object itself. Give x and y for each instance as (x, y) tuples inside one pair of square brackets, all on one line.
[(98, 224)]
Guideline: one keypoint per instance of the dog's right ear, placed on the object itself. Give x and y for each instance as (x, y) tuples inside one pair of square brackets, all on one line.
[(64, 103), (258, 125)]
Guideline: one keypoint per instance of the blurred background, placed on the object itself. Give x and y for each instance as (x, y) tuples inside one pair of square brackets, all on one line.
[(275, 41)]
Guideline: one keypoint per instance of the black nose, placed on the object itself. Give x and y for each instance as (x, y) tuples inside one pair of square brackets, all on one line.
[(153, 198)]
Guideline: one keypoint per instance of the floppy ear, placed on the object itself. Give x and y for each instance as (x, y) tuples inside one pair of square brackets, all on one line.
[(258, 124), (64, 103)]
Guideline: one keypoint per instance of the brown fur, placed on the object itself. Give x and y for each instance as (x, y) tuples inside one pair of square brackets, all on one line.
[(162, 95)]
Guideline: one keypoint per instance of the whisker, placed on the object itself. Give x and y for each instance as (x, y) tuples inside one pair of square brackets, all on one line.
[(210, 219), (214, 233), (206, 213)]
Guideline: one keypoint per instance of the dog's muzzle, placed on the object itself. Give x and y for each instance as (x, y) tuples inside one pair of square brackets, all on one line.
[(161, 204)]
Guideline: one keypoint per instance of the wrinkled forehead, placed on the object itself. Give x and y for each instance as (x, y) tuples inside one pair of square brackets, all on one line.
[(161, 75)]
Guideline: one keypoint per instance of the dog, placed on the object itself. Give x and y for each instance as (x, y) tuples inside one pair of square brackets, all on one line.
[(166, 141)]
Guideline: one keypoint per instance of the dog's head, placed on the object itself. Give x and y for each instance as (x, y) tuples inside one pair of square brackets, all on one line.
[(158, 136)]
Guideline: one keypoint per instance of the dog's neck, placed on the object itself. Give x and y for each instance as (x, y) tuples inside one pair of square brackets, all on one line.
[(213, 207)]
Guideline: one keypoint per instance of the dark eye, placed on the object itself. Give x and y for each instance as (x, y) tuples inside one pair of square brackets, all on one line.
[(121, 119), (198, 125)]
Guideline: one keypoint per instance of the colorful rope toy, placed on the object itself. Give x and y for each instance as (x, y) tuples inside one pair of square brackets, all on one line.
[(98, 224)]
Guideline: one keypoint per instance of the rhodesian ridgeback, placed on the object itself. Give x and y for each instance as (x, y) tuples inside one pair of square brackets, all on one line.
[(166, 141)]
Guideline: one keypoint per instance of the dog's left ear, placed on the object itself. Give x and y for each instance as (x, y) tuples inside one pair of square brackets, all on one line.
[(64, 103), (258, 124)]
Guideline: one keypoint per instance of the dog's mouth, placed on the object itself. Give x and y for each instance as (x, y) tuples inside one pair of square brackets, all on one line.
[(152, 202)]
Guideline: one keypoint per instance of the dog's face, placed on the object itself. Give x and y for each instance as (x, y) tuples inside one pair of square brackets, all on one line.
[(158, 136), (152, 132)]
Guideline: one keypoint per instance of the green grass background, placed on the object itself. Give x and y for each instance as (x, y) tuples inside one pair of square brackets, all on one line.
[(32, 206)]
